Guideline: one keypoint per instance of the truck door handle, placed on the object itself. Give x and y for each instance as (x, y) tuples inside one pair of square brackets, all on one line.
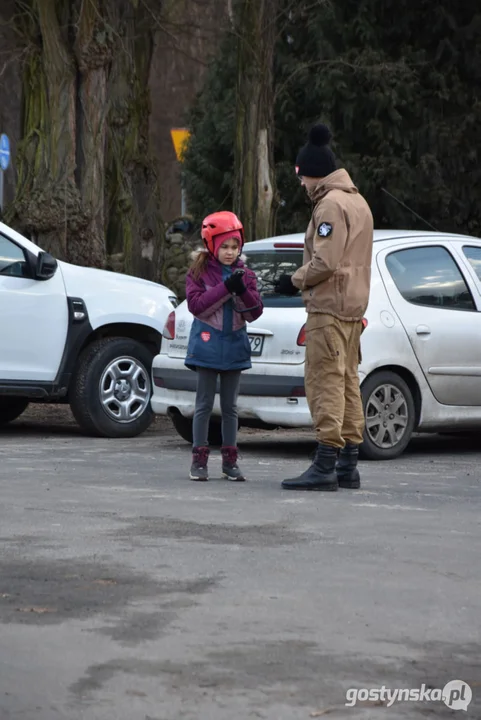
[(423, 330)]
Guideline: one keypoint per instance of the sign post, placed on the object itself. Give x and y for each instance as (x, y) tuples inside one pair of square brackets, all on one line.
[(4, 162), (180, 137)]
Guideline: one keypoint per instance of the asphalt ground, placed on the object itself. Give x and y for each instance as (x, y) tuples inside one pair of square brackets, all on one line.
[(128, 592)]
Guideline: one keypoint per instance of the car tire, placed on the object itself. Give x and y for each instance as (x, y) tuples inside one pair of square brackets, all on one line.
[(184, 425), (112, 387), (386, 439), (11, 409)]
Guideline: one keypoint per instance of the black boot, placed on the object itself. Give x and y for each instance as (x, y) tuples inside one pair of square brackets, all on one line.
[(320, 476), (346, 468)]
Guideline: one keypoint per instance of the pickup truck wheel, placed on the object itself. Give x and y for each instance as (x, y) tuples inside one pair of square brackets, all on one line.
[(183, 426), (111, 388), (11, 409)]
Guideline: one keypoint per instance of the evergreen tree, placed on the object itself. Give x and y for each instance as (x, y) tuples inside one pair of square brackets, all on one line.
[(208, 161), (396, 82)]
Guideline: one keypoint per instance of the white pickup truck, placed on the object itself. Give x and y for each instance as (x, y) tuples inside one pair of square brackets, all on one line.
[(77, 335)]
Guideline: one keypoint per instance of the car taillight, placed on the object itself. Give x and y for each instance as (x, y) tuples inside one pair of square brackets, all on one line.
[(364, 324), (301, 338), (169, 327)]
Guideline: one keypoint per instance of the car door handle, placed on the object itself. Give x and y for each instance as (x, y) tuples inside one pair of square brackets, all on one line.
[(423, 330)]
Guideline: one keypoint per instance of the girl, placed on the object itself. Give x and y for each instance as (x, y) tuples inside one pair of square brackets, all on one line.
[(222, 295)]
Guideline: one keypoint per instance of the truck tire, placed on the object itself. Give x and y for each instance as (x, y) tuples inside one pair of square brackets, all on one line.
[(11, 408), (183, 426), (111, 388)]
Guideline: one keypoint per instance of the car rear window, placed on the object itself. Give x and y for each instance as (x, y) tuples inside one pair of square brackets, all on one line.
[(268, 265)]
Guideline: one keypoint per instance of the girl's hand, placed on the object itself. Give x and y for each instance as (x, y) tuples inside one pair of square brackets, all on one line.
[(235, 283)]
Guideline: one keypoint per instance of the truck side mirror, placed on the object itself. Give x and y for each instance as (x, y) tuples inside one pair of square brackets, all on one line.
[(46, 266)]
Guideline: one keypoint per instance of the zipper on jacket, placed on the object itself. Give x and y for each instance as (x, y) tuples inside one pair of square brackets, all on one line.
[(340, 286)]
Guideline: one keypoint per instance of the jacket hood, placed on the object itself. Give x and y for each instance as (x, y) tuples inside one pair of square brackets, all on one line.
[(338, 180)]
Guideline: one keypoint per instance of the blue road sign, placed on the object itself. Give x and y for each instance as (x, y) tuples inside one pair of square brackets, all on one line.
[(4, 151)]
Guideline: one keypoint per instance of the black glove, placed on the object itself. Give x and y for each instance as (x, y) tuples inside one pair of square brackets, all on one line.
[(284, 286), (235, 283)]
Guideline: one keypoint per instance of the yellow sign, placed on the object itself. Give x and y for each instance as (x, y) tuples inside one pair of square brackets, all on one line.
[(180, 136)]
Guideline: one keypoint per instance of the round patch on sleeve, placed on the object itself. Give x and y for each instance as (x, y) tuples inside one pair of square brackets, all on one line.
[(324, 229)]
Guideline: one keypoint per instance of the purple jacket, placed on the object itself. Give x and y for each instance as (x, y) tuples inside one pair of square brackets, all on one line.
[(207, 295), (218, 337)]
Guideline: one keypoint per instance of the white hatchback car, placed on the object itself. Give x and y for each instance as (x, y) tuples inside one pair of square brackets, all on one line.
[(421, 350)]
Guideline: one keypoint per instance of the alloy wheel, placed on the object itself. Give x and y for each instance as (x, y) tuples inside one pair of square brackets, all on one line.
[(125, 389), (386, 416)]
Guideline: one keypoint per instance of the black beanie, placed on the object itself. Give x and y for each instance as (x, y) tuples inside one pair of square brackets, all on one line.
[(316, 158)]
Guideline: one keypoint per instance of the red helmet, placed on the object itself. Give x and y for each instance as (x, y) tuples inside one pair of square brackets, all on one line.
[(217, 224)]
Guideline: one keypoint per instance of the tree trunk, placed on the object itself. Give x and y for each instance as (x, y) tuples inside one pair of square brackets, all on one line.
[(47, 201), (93, 52), (135, 233), (87, 184), (255, 197)]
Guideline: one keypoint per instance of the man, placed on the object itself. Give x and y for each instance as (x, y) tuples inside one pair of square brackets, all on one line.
[(335, 280)]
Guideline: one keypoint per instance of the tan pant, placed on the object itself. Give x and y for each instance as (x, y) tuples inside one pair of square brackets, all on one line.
[(331, 379)]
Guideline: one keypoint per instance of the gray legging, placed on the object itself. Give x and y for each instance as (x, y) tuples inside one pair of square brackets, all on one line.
[(204, 402)]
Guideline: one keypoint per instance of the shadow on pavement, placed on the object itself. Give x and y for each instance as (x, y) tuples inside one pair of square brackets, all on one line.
[(57, 420), (422, 444), (43, 420)]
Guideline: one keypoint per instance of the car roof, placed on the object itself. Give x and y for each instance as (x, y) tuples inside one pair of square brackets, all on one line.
[(297, 239)]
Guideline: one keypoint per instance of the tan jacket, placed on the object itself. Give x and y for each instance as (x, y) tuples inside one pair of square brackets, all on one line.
[(336, 274)]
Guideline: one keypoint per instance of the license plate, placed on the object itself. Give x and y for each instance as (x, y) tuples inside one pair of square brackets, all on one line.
[(257, 343)]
